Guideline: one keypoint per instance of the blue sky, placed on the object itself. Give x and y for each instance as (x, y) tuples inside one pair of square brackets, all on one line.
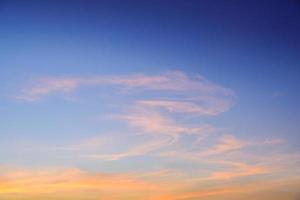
[(79, 80)]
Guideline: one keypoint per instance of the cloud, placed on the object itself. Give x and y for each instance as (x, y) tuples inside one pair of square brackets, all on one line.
[(238, 169), (173, 91), (197, 94), (163, 132), (71, 184), (46, 86), (186, 106), (277, 190), (163, 117), (164, 184), (138, 150), (225, 144), (222, 145), (154, 122)]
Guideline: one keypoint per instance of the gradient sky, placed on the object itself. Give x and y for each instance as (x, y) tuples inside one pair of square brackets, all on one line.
[(149, 100)]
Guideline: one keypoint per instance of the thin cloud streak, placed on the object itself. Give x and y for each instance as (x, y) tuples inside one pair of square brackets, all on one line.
[(200, 96), (139, 150), (185, 106)]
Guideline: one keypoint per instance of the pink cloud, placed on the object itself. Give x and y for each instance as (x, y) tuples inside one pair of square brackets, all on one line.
[(197, 95)]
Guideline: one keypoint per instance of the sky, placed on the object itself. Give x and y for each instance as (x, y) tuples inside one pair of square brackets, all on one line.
[(149, 100)]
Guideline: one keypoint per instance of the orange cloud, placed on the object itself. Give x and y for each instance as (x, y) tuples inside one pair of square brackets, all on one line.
[(239, 170), (69, 183), (75, 184)]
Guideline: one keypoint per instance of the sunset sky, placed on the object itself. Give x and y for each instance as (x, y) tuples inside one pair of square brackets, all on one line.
[(149, 100)]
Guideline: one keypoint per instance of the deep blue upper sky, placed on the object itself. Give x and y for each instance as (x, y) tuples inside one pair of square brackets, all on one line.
[(250, 46)]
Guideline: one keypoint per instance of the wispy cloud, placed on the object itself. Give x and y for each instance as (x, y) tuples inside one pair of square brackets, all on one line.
[(186, 106), (47, 86), (76, 184), (197, 95), (225, 144), (174, 92), (241, 191), (141, 149), (162, 113), (162, 130), (237, 169), (71, 183), (154, 122)]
